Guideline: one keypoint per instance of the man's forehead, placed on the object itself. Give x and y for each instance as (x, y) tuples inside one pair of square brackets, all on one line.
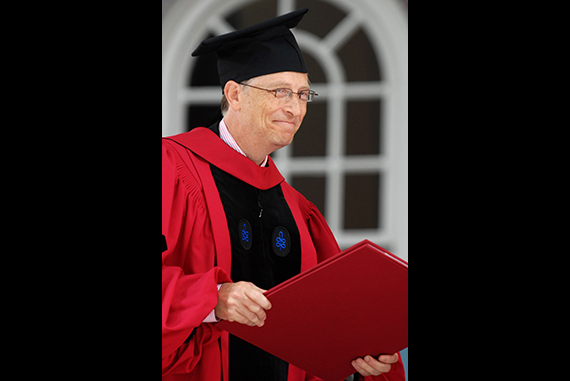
[(286, 79)]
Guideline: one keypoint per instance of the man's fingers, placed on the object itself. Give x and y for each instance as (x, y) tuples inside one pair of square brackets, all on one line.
[(362, 368), (369, 366), (254, 313), (389, 359), (257, 313), (248, 319), (256, 294), (242, 315), (257, 304)]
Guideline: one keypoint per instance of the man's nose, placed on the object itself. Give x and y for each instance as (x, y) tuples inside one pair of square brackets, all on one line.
[(295, 105)]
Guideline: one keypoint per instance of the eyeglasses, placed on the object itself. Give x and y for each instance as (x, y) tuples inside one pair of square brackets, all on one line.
[(286, 94)]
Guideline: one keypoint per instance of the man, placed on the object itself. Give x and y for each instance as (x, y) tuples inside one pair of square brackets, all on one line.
[(224, 203)]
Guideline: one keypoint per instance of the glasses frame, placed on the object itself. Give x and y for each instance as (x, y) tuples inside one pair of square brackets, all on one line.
[(310, 97)]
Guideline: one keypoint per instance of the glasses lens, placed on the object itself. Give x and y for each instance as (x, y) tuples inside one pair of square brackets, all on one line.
[(311, 96), (283, 93)]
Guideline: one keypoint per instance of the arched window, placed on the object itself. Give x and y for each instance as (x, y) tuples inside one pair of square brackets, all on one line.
[(350, 155)]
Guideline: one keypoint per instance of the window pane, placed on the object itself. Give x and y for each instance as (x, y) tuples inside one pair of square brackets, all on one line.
[(322, 17), (363, 130), (361, 201), (253, 13), (311, 139), (313, 188), (359, 60)]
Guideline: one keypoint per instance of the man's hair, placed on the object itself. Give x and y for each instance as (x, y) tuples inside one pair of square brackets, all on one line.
[(224, 105)]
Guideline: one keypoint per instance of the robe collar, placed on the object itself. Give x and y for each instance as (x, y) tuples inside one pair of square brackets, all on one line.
[(205, 143)]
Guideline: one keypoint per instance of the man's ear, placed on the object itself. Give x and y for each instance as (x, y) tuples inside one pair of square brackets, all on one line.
[(232, 90)]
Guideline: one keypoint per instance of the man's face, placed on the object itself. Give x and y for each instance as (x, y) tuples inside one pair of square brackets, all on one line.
[(276, 121)]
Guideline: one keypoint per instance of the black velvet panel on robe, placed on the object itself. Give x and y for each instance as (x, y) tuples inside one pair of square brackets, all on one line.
[(266, 250)]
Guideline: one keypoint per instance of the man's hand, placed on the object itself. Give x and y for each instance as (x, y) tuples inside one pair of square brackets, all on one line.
[(369, 366), (242, 302)]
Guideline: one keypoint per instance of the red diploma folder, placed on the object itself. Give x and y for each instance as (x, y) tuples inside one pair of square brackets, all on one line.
[(352, 305)]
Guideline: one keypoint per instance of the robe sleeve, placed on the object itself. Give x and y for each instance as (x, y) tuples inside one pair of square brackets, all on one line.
[(321, 234), (327, 246), (188, 296)]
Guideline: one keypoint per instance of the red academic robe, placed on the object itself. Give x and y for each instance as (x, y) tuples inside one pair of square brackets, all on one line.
[(198, 257)]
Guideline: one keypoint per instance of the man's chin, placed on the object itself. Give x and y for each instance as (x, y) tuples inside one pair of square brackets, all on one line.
[(283, 141)]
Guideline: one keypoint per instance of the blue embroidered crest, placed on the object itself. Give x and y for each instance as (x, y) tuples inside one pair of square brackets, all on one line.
[(245, 234), (281, 241)]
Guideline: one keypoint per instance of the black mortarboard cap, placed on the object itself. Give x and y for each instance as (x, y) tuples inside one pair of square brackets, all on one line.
[(264, 48)]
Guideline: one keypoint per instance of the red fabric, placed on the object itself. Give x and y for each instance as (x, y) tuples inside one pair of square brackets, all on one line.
[(206, 144), (193, 222), (189, 278)]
